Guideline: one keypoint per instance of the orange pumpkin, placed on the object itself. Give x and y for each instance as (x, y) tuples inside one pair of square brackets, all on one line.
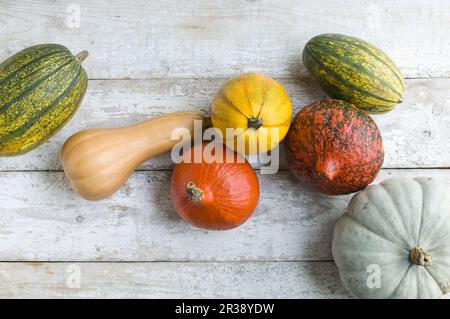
[(214, 194), (257, 105)]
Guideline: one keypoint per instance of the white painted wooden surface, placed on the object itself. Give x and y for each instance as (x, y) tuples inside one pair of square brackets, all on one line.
[(415, 134), (43, 220), (204, 38), (154, 57), (173, 280)]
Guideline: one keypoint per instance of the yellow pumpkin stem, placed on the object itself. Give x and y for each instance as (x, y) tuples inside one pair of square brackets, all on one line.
[(255, 123), (195, 194), (420, 257)]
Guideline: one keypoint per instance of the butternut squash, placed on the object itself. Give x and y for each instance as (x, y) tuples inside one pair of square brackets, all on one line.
[(98, 162)]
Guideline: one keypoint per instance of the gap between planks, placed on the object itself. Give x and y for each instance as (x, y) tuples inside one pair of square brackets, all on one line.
[(292, 78), (170, 170), (161, 261)]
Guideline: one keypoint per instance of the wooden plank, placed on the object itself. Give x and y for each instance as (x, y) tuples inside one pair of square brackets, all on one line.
[(415, 134), (42, 219), (200, 38), (171, 280)]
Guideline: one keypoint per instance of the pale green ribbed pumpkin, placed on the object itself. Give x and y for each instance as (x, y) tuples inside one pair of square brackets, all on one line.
[(394, 240)]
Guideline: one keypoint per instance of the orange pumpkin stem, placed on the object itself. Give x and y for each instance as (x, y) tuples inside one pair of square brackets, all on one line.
[(195, 194), (327, 168)]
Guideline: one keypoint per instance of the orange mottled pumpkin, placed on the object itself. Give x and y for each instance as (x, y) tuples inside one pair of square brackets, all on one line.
[(214, 194), (335, 146)]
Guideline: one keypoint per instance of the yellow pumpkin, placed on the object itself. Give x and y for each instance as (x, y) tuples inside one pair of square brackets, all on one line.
[(257, 105)]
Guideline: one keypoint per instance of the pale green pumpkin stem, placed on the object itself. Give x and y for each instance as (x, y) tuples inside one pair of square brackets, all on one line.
[(195, 194), (81, 56), (420, 257)]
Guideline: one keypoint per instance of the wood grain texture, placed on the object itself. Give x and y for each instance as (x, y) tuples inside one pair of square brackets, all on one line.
[(415, 134), (171, 280), (42, 219), (186, 50), (201, 38)]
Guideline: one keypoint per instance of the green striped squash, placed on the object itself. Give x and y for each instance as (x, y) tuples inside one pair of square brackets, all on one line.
[(41, 88), (355, 71)]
